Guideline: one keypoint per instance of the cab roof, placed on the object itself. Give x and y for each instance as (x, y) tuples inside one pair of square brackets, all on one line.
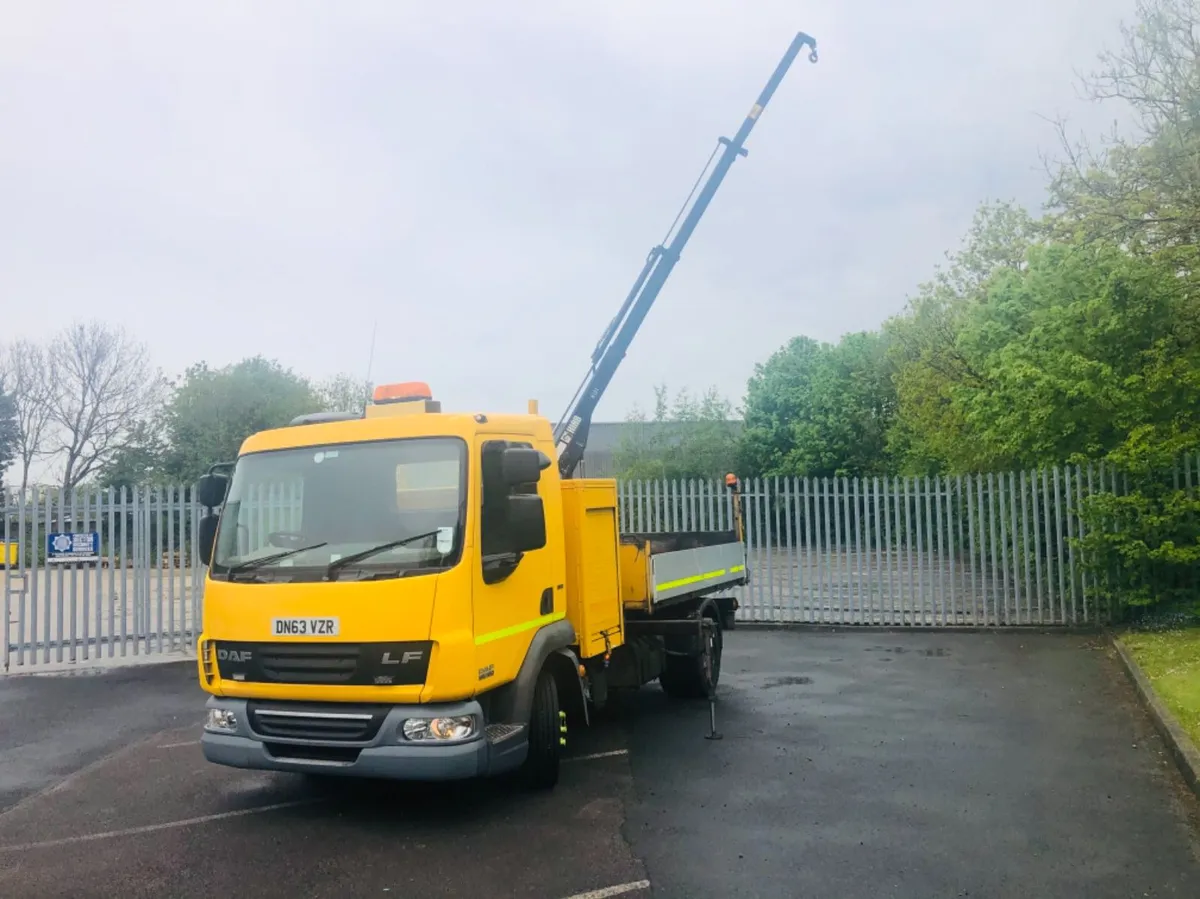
[(385, 427)]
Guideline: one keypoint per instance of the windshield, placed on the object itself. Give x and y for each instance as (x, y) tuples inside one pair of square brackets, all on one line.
[(381, 508)]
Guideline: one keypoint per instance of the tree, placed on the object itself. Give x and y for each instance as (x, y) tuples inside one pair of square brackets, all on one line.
[(24, 369), (101, 385), (1141, 189), (1086, 347), (928, 433), (142, 460), (778, 391), (211, 411), (343, 393), (691, 437), (820, 410), (9, 431)]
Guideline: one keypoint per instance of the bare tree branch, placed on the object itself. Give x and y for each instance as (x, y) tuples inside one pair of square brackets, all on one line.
[(102, 384), (1140, 190), (24, 370)]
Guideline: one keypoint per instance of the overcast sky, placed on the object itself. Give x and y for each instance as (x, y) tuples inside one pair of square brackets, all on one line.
[(485, 179)]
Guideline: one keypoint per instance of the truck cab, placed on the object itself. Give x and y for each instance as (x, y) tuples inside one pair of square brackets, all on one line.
[(371, 578)]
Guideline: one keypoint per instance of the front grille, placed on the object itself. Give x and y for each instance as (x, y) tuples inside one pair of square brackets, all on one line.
[(323, 723), (323, 755), (308, 663), (384, 664)]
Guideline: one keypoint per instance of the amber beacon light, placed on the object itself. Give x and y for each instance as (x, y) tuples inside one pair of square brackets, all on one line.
[(405, 392)]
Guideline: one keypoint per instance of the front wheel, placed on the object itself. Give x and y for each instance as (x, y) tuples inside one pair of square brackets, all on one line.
[(546, 737)]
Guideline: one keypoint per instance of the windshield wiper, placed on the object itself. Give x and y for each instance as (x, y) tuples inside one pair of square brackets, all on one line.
[(335, 565), (265, 560)]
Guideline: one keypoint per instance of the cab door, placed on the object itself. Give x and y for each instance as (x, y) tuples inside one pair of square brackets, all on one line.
[(512, 597)]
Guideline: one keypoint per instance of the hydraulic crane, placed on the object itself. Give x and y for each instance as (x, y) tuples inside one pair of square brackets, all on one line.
[(571, 432)]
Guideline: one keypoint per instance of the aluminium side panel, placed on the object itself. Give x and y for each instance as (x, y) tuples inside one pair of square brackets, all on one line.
[(696, 570)]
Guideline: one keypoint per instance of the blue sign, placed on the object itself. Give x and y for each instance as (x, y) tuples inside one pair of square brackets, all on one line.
[(83, 547)]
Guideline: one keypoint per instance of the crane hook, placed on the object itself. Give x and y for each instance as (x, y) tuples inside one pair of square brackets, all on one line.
[(811, 42)]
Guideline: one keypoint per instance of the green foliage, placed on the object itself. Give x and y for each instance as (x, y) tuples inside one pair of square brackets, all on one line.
[(1070, 354), (690, 437), (931, 367), (342, 393), (1143, 549), (213, 410), (208, 415), (1141, 188), (9, 432), (817, 409), (141, 461)]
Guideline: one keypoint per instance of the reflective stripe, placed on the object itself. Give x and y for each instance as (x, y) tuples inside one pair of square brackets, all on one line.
[(697, 578), (694, 579), (519, 628)]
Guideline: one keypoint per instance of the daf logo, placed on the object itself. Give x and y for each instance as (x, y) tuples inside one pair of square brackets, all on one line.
[(234, 655), (411, 656)]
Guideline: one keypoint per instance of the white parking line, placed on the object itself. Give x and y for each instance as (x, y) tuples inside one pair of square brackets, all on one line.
[(152, 828), (594, 755), (619, 890), (177, 745)]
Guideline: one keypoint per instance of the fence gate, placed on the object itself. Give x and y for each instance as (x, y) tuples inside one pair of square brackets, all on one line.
[(973, 550), (91, 574)]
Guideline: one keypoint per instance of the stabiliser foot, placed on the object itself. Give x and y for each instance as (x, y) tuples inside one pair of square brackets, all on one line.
[(713, 733)]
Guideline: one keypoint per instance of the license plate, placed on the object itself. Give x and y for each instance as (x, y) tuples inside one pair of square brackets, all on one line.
[(304, 627)]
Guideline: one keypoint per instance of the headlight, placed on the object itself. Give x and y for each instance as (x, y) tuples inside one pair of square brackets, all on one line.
[(458, 727), (222, 720)]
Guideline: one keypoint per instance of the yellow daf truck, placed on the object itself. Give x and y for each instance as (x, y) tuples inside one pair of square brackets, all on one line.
[(419, 594), (403, 592)]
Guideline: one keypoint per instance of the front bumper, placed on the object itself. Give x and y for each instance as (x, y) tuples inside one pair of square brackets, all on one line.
[(385, 755)]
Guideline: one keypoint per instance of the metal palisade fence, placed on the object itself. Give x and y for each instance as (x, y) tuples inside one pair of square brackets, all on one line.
[(91, 574), (991, 549)]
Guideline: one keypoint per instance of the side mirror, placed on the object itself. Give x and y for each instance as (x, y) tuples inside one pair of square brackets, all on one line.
[(526, 523), (206, 536), (211, 490), (522, 465)]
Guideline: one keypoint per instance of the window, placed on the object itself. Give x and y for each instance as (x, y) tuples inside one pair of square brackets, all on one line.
[(312, 506)]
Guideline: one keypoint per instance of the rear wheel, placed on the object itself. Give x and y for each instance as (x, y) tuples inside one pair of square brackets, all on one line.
[(540, 769), (695, 676)]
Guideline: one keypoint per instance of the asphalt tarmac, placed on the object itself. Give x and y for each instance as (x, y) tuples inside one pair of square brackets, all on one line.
[(865, 764)]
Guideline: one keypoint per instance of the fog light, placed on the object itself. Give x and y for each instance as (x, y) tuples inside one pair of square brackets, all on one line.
[(221, 720), (457, 727)]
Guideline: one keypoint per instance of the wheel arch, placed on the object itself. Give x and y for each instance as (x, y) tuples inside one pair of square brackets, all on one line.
[(550, 647), (564, 665), (711, 609)]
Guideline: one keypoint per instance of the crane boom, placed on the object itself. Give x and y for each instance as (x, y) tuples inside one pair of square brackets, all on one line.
[(571, 432)]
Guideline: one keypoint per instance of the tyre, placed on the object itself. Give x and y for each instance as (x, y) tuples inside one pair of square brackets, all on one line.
[(540, 769), (695, 676)]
